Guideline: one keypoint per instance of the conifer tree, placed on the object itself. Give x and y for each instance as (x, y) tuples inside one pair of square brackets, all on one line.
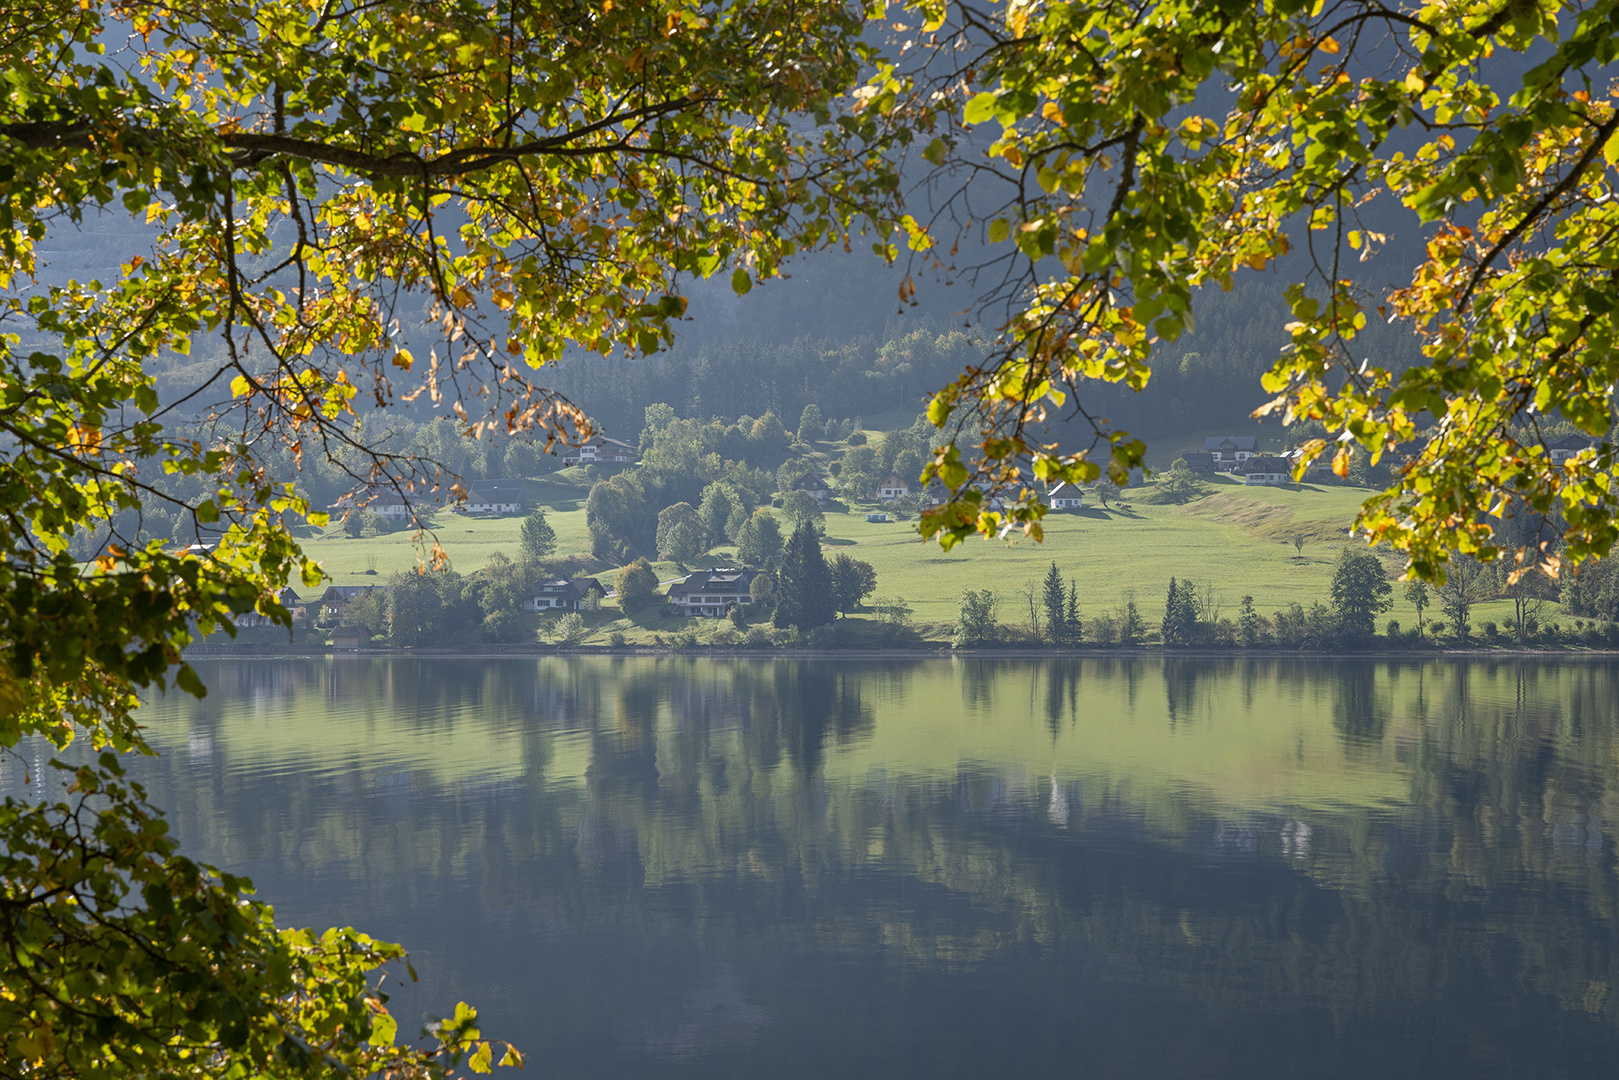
[(1250, 624), (1075, 629), (1053, 598), (804, 593)]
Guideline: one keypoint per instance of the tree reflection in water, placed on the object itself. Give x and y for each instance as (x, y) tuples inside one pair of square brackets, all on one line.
[(1276, 868)]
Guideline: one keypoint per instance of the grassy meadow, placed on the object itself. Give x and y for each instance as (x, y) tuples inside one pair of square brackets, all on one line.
[(1238, 538)]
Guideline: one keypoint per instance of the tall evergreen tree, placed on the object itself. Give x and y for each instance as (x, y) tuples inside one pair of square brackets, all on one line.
[(1179, 627), (1071, 624), (804, 592), (1170, 628), (1053, 599)]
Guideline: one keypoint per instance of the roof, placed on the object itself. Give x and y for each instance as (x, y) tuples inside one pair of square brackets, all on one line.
[(345, 593), (1238, 442), (810, 480), (497, 491), (578, 588), (1574, 442), (721, 579), (894, 481), (1065, 490), (602, 440), (1269, 464)]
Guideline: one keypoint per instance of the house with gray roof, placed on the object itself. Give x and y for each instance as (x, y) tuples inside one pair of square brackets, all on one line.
[(711, 593)]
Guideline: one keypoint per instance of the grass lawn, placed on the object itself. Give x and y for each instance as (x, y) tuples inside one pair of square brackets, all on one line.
[(1239, 538)]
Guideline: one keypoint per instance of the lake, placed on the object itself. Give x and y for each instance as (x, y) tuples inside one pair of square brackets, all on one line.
[(687, 867)]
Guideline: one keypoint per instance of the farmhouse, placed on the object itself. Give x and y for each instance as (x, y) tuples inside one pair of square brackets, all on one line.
[(816, 485), (713, 592), (1230, 451), (336, 600), (601, 449), (893, 488), (1270, 471), (1565, 448), (378, 499), (489, 497), (1066, 496), (563, 594)]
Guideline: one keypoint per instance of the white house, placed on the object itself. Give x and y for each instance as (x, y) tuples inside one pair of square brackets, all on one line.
[(816, 485), (486, 497), (601, 449), (378, 500), (893, 488), (1565, 448), (1269, 471), (713, 592), (1065, 496), (1231, 451), (563, 594)]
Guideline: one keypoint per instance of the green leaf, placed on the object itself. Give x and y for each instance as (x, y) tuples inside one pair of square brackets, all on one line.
[(980, 107), (741, 282)]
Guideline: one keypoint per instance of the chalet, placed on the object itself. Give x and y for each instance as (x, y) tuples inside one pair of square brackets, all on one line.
[(600, 449), (336, 600), (490, 497), (1230, 451), (893, 488), (384, 500), (562, 594), (1563, 449), (1065, 496), (350, 638), (713, 592), (816, 485), (1271, 471)]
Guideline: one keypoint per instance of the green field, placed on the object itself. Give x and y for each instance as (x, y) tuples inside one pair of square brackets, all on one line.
[(1238, 538)]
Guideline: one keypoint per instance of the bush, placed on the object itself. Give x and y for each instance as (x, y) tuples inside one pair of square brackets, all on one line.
[(758, 637), (822, 637), (617, 639), (857, 439), (1393, 631), (569, 629), (1437, 627), (725, 636), (686, 639), (738, 619), (1492, 633)]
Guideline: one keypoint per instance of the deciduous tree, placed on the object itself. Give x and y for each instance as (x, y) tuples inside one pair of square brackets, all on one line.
[(1124, 156), (1360, 592)]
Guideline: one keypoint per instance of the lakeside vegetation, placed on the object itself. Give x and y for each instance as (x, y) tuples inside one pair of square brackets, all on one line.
[(1278, 546)]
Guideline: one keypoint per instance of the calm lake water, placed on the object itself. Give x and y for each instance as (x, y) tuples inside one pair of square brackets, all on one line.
[(1091, 868)]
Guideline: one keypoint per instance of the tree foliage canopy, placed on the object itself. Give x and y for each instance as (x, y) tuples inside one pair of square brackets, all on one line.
[(313, 178), (1121, 156)]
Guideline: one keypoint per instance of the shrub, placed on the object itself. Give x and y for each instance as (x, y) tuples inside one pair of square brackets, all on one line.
[(725, 636), (1492, 633), (617, 639), (1393, 630), (857, 439), (569, 629), (687, 638), (1437, 627), (758, 637)]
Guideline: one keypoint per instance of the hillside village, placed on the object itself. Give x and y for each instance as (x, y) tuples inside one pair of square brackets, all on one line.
[(612, 568)]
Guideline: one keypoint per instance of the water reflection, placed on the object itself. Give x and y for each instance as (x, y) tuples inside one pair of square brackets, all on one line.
[(1119, 867)]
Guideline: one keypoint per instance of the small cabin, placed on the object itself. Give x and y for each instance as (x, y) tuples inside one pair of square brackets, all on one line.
[(877, 518)]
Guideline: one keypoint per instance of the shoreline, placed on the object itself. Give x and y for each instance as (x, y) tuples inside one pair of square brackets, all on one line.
[(922, 652)]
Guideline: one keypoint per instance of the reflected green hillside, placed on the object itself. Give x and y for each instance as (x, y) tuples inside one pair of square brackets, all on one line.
[(1245, 838)]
